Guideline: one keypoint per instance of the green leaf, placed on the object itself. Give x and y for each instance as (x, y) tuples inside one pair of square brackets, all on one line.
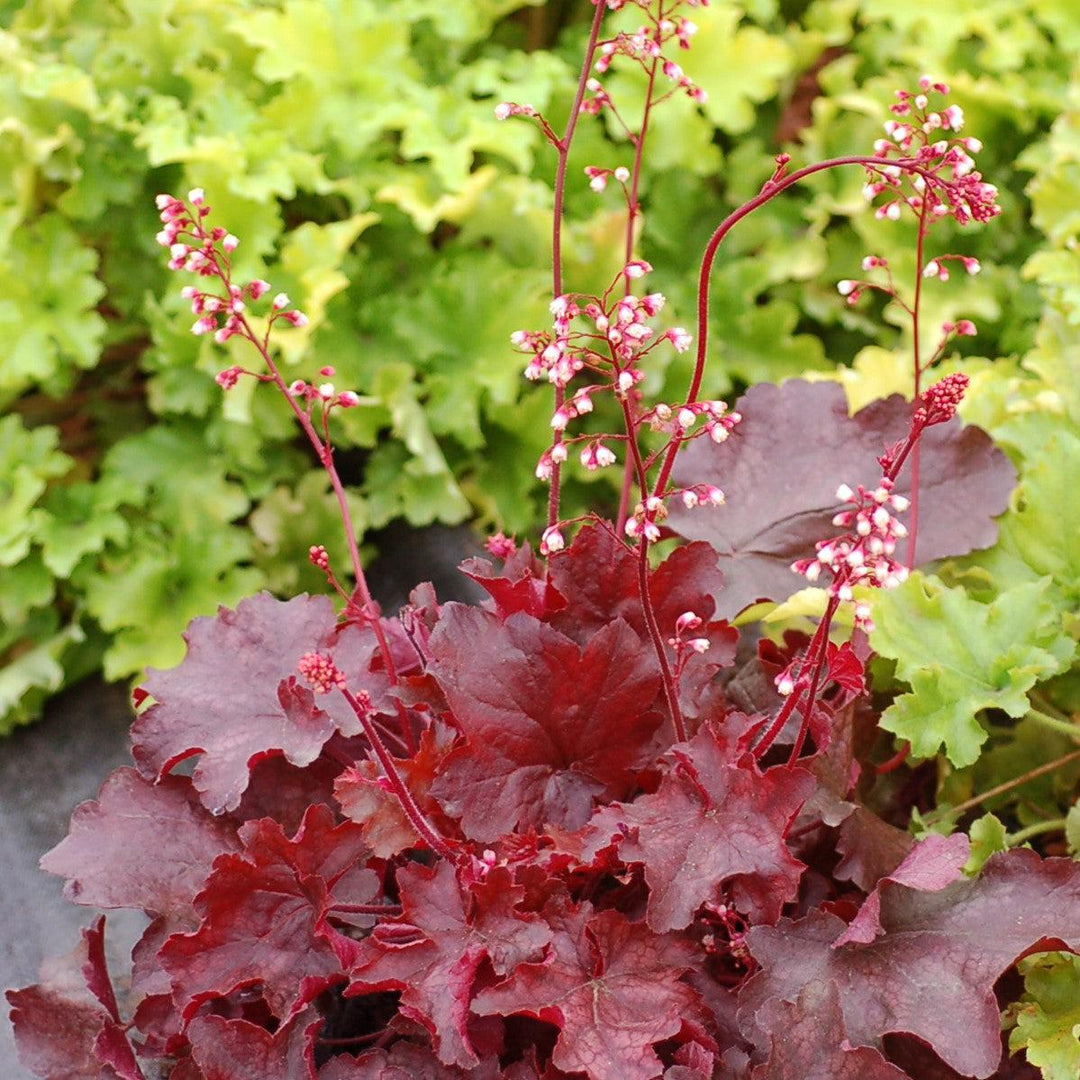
[(1072, 830), (82, 519), (27, 585), (961, 656), (31, 672), (47, 296), (988, 835), (1041, 528), (1048, 1016), (289, 520), (146, 597), (28, 460), (736, 65)]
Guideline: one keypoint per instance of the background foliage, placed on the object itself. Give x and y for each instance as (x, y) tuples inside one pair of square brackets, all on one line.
[(352, 145)]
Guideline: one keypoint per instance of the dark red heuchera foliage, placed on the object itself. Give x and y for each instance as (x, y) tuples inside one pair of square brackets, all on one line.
[(602, 901)]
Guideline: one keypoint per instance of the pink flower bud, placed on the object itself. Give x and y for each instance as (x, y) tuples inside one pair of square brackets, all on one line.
[(551, 541), (228, 378), (230, 243), (258, 288), (348, 399), (295, 318), (280, 302)]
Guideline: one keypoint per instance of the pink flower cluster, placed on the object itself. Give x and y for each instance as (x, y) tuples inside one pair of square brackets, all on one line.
[(683, 642), (948, 182), (205, 251), (645, 46), (616, 338), (864, 554)]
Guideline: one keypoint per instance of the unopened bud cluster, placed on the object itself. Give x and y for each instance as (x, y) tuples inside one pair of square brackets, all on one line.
[(864, 554), (320, 672), (938, 404)]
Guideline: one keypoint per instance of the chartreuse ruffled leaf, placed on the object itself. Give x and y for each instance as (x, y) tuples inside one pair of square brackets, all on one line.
[(146, 596), (737, 65), (28, 461), (961, 656), (1038, 534), (82, 519), (988, 835), (183, 557), (47, 295), (1047, 1017), (31, 665)]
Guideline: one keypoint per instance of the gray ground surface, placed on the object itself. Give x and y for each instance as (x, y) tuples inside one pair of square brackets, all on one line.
[(48, 768)]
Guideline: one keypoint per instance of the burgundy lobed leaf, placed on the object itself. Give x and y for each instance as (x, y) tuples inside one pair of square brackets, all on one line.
[(403, 1061), (781, 468), (434, 951), (716, 820), (599, 577), (235, 699), (66, 1026), (234, 1049), (808, 1043), (611, 986), (932, 969), (263, 917), (548, 726), (523, 584), (870, 848), (140, 845), (930, 865)]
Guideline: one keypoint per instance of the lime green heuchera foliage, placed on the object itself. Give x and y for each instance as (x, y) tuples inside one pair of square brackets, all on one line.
[(640, 813)]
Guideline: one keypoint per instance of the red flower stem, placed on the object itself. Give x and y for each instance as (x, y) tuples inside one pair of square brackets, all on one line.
[(326, 459), (895, 761), (562, 148), (408, 803), (818, 663), (670, 690), (633, 212), (815, 655), (767, 193), (913, 510)]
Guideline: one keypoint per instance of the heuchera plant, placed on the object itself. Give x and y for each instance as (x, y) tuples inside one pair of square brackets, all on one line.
[(588, 827)]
